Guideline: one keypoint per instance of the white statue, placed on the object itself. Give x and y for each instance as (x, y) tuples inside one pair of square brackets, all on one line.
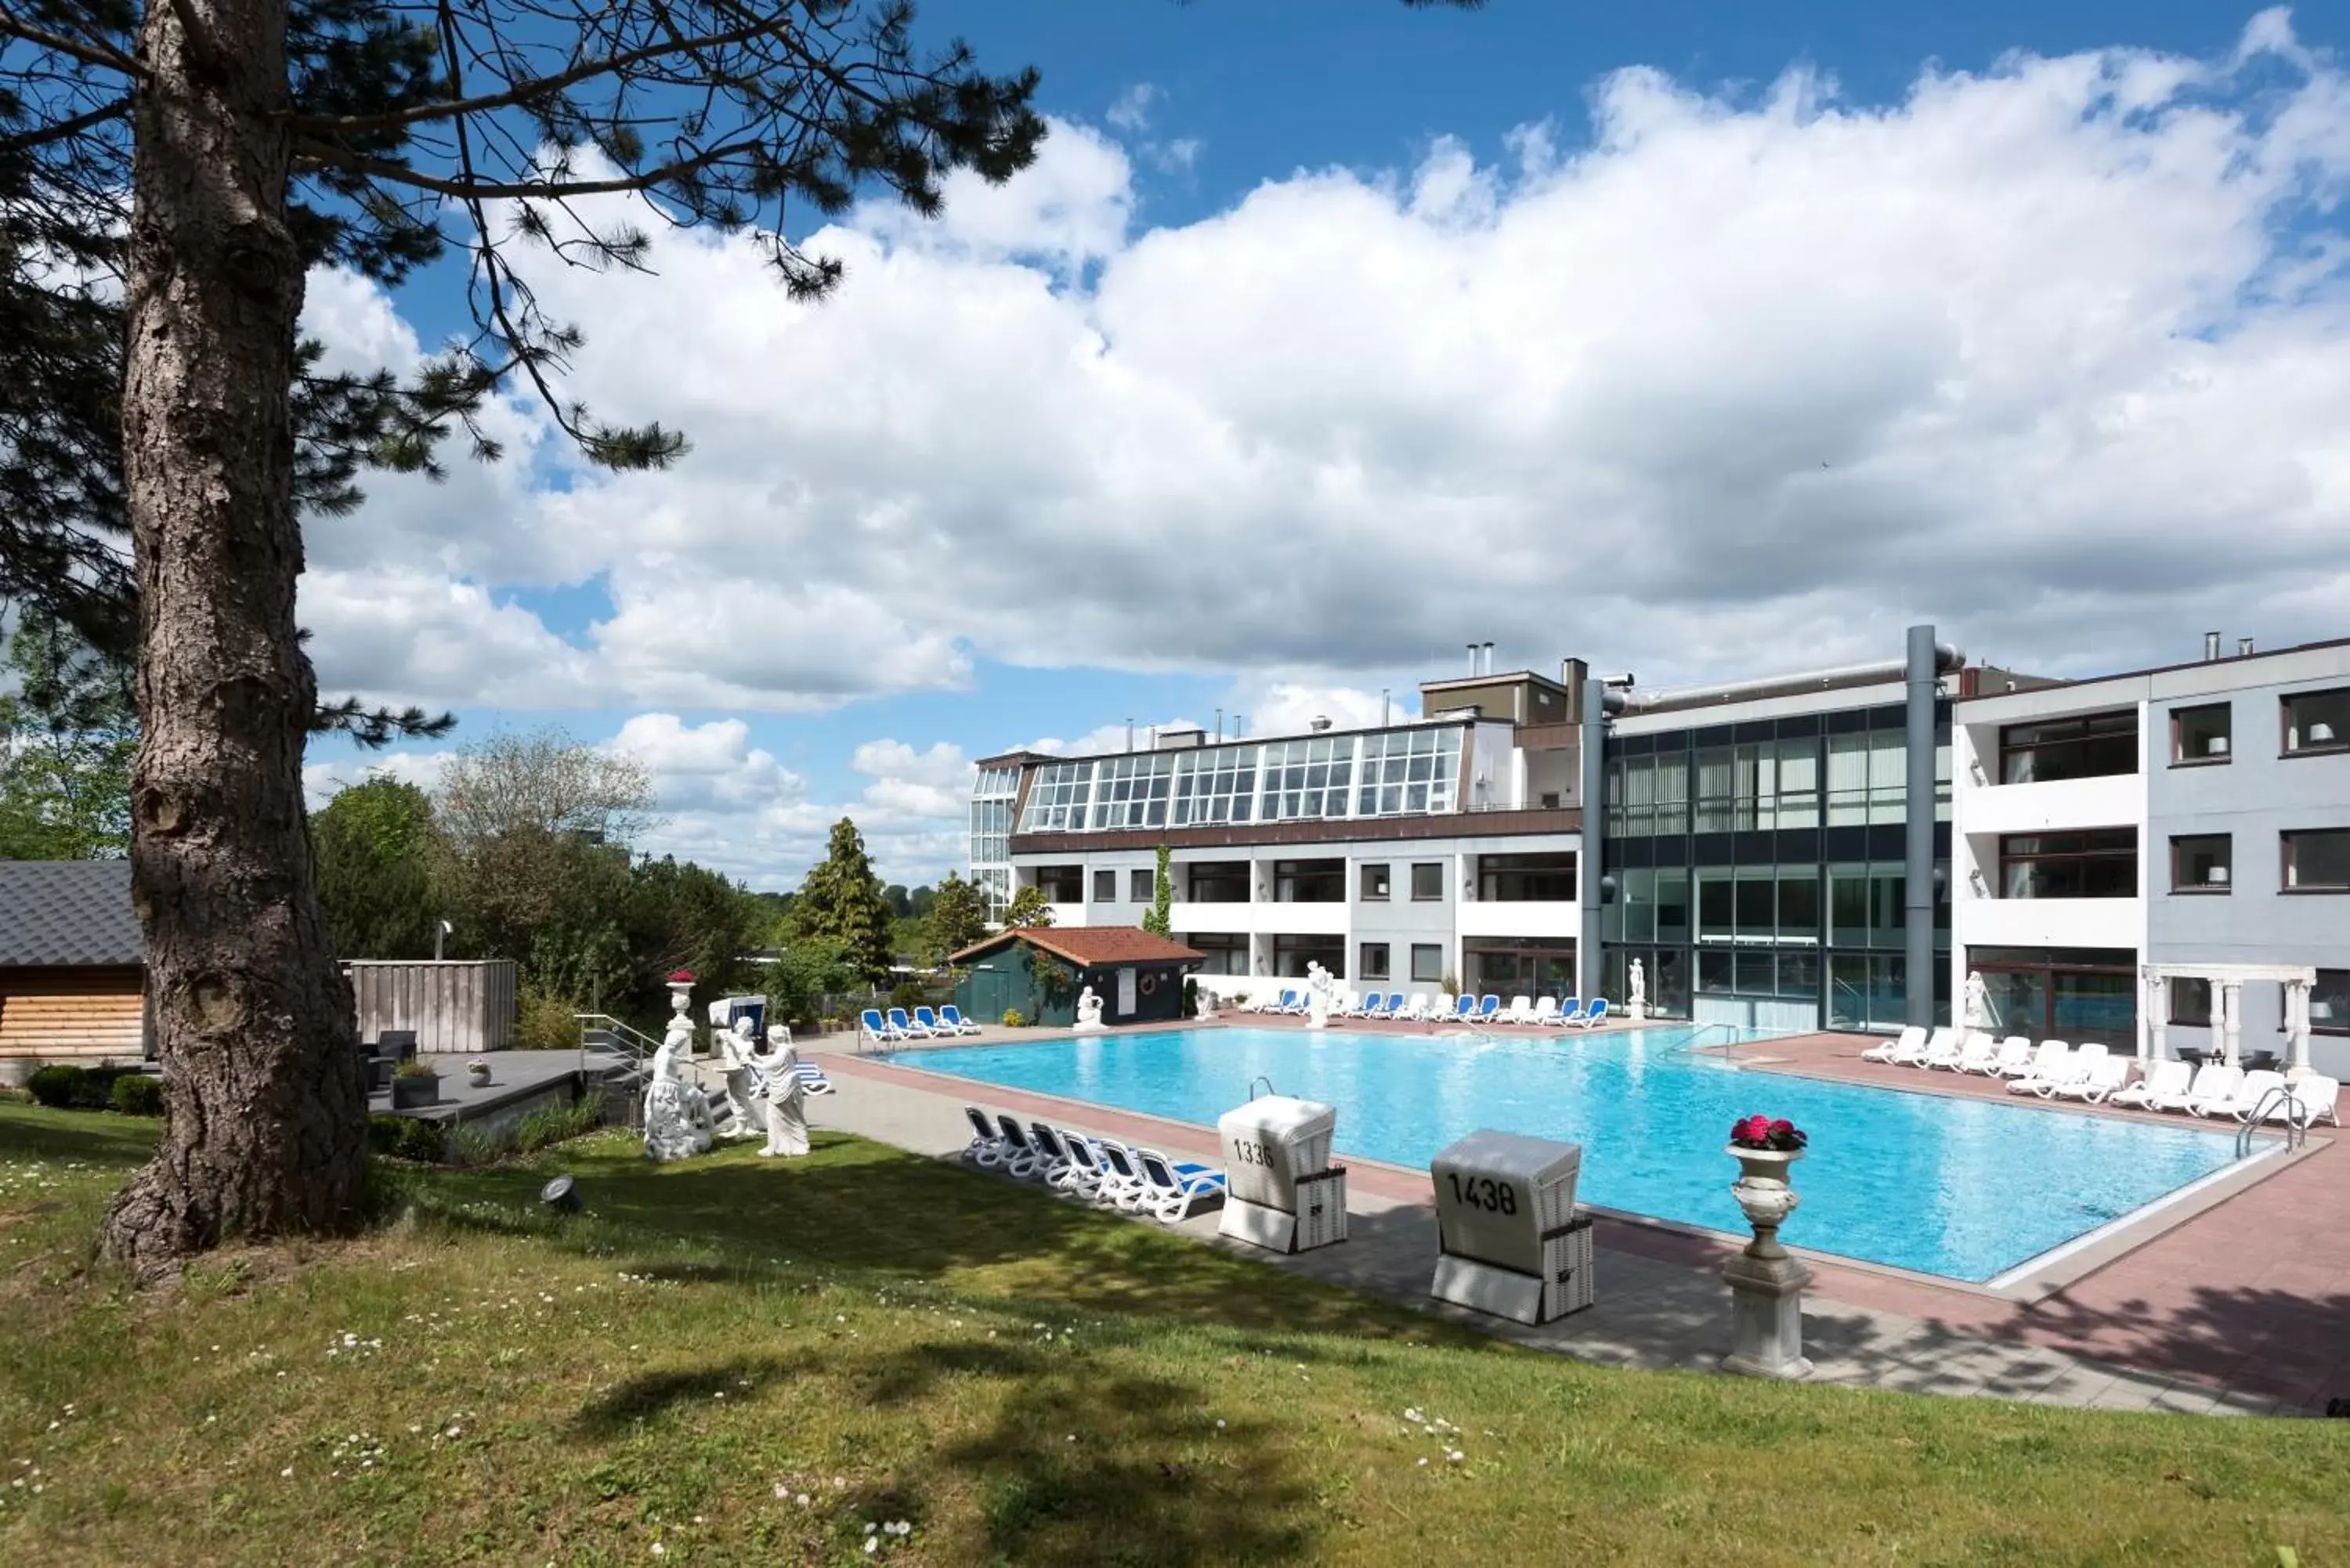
[(1978, 1001), (1319, 985), (1088, 1009), (736, 1049), (677, 1114), (781, 1095), (1637, 1004)]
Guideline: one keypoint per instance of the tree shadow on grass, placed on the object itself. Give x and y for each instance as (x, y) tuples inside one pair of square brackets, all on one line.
[(100, 1138)]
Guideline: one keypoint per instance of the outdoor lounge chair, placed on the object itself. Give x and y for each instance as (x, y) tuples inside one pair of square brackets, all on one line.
[(1545, 1010), (1521, 1010), (2252, 1094), (2013, 1060), (928, 1022), (1488, 1008), (1021, 1157), (1393, 1008), (1570, 1011), (1978, 1054), (1464, 1008), (812, 1079), (1127, 1186), (872, 1025), (1911, 1040), (2163, 1081), (906, 1026), (2315, 1098), (1943, 1049), (2048, 1067), (986, 1148), (2100, 1075), (2214, 1087), (1597, 1017), (1413, 1010), (1375, 1005), (1293, 1002), (1940, 1042), (953, 1018), (1171, 1192), (1062, 1169)]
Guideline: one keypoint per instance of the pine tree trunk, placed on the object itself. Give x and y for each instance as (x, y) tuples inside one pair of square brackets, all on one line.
[(265, 1134)]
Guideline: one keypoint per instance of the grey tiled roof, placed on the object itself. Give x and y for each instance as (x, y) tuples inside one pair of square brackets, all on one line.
[(67, 913)]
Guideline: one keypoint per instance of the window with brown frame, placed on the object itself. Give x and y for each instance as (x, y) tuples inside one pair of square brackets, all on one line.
[(2317, 860), (2201, 735), (2201, 862), (2316, 721), (2100, 863), (2096, 745)]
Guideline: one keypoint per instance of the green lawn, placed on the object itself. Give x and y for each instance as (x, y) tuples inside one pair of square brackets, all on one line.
[(728, 1362)]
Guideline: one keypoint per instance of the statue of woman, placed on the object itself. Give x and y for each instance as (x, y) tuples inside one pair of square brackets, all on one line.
[(781, 1096), (677, 1114), (737, 1048)]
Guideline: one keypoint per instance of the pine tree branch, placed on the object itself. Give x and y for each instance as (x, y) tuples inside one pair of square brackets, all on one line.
[(113, 109), (88, 51), (472, 189), (539, 87)]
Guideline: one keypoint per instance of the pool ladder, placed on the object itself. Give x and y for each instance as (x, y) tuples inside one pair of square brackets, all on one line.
[(1692, 1048), (2296, 1133)]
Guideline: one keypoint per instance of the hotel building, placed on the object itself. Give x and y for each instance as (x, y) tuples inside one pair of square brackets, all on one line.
[(1752, 843)]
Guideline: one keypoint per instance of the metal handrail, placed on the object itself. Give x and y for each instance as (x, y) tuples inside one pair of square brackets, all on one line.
[(642, 1045), (1689, 1046), (2296, 1133)]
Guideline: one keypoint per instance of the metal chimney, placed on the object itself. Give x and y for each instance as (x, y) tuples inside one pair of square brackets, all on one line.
[(1220, 725), (2243, 647), (1130, 734), (1489, 659), (1472, 658), (2210, 645), (1386, 709)]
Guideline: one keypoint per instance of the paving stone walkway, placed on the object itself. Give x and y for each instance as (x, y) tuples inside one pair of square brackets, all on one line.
[(1661, 1301)]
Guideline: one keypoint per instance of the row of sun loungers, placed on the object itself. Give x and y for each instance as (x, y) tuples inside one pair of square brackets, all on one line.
[(2055, 1070), (924, 1024), (1422, 1008), (1096, 1170)]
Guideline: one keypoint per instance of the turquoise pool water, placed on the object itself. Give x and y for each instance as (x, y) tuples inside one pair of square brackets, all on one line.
[(1960, 1187)]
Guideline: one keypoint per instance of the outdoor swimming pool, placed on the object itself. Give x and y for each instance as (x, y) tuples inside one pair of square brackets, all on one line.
[(1960, 1187)]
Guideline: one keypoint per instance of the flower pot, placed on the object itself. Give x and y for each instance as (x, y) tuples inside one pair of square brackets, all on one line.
[(1763, 1195), (478, 1076), (411, 1092)]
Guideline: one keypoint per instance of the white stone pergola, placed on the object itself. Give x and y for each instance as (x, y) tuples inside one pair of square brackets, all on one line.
[(2227, 981)]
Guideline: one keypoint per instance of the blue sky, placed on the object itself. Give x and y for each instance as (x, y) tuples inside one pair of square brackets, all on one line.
[(1184, 113)]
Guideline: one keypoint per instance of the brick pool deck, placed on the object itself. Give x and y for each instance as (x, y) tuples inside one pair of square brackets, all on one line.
[(2241, 1308)]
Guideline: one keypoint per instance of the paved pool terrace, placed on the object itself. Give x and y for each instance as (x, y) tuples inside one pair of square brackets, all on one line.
[(2238, 1302)]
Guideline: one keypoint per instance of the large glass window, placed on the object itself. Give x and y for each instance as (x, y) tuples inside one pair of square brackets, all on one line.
[(1213, 786), (2190, 1000), (2097, 745), (2201, 734), (1227, 952), (1427, 962), (1307, 779), (1799, 784), (2101, 862), (1672, 904), (1375, 963), (1292, 955), (1519, 966), (2317, 721), (2076, 994), (1408, 771), (1105, 887), (1131, 791), (1649, 795), (1717, 794), (1218, 881), (1374, 884), (1062, 884), (1056, 801), (1524, 878), (1717, 909), (1428, 882), (2329, 1003), (1309, 882), (2200, 862), (1799, 904), (1144, 887), (2317, 861)]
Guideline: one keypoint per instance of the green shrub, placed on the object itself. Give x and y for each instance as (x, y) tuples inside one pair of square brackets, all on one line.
[(405, 1138), (552, 1124), (58, 1086), (544, 1022), (137, 1094), (1191, 998), (1012, 1019), (468, 1146)]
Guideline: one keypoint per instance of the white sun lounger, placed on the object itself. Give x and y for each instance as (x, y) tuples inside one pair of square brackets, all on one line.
[(986, 1148), (2013, 1060), (1171, 1192), (2100, 1076), (1943, 1049), (1911, 1040), (2164, 1087), (1978, 1055), (2316, 1098), (2256, 1088), (2049, 1065), (2214, 1089), (1520, 1011)]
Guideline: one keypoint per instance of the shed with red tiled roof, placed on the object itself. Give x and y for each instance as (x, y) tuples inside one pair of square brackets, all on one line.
[(1039, 971)]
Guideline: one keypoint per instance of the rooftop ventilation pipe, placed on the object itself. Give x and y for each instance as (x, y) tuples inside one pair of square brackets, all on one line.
[(1387, 707), (1947, 658), (1489, 659), (1321, 722), (2243, 647), (1472, 660), (2210, 645)]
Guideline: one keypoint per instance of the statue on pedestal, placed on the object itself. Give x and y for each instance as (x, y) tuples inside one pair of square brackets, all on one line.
[(1089, 1009), (1637, 1006), (1319, 985), (736, 1048), (677, 1114), (781, 1095), (1978, 1001)]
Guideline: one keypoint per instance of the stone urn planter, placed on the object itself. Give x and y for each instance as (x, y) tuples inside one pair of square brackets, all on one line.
[(478, 1074), (409, 1090), (1763, 1195)]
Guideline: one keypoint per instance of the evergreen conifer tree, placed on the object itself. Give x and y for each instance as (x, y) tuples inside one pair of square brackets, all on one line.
[(1160, 921), (958, 915), (841, 903)]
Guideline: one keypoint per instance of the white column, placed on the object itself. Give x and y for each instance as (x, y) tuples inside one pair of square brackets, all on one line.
[(2296, 1023), (2153, 1042), (2231, 1012)]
